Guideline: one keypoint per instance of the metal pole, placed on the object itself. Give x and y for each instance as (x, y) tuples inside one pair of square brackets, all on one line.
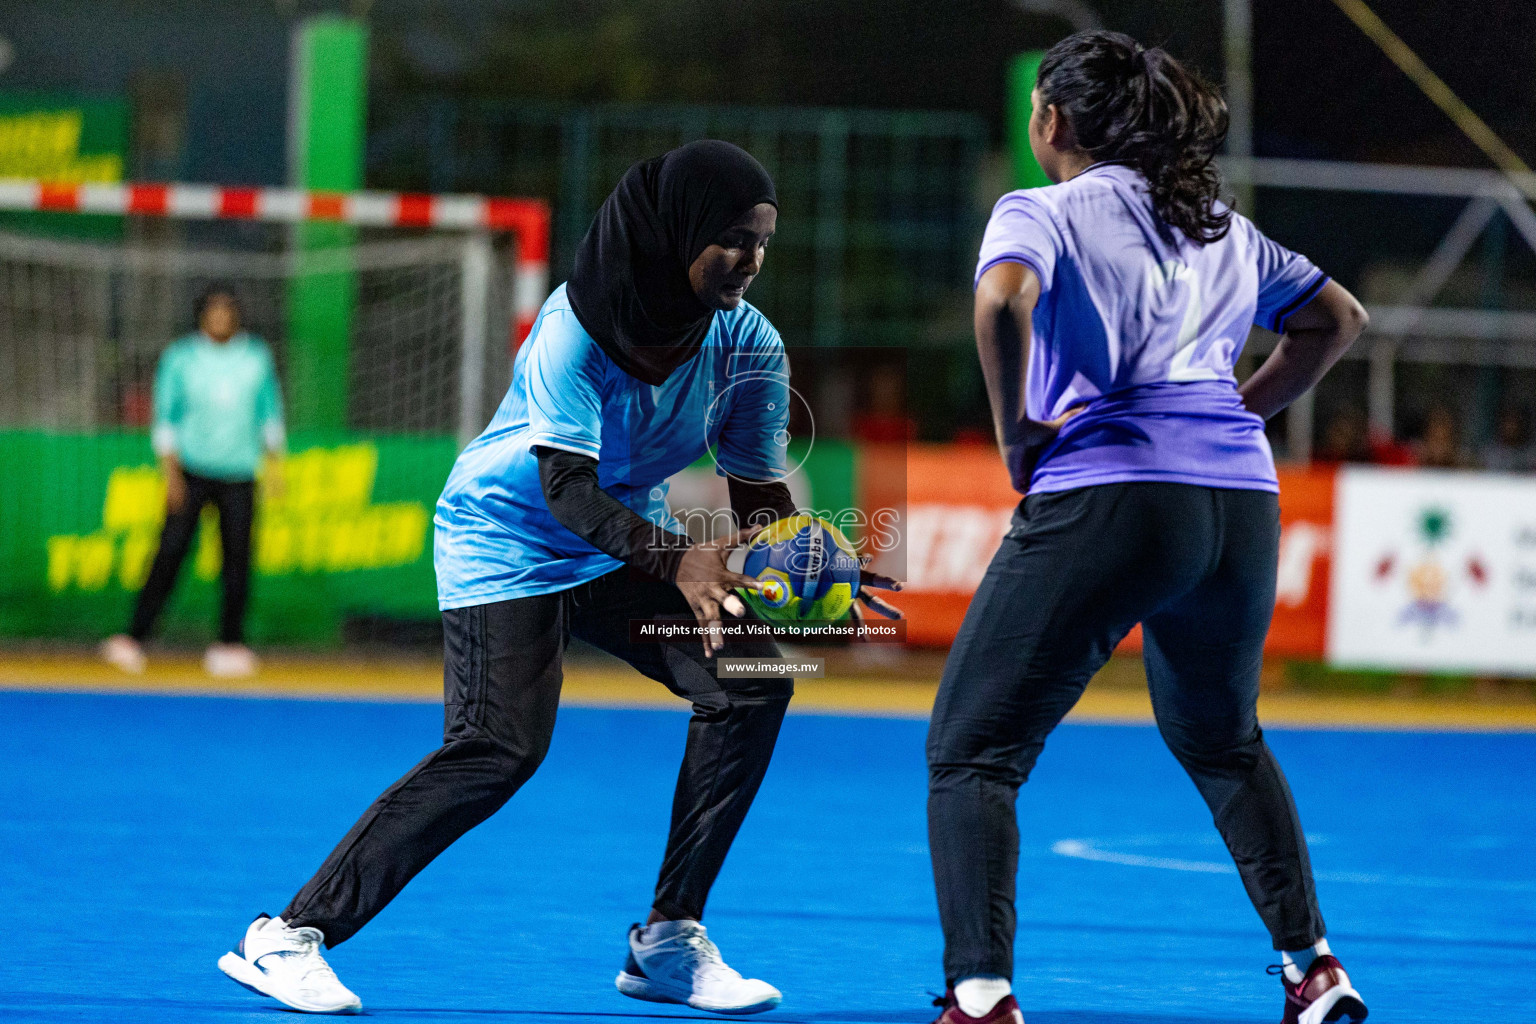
[(1381, 385), (474, 298), (831, 235), (573, 205), (1238, 48), (1298, 428), (327, 122)]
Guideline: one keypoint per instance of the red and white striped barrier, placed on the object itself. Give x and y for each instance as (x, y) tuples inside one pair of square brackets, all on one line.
[(528, 219)]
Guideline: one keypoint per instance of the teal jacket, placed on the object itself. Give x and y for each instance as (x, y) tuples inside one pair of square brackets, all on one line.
[(217, 405)]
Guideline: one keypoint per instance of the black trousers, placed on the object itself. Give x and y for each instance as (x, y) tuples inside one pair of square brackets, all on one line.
[(1196, 566), (501, 688), (236, 502)]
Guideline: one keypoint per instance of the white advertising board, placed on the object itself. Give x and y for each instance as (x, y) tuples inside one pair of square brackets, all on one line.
[(1434, 571)]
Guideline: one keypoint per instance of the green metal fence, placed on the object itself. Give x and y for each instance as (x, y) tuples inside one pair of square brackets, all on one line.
[(879, 220)]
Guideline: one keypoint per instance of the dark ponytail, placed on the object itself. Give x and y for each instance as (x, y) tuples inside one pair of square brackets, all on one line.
[(1138, 106)]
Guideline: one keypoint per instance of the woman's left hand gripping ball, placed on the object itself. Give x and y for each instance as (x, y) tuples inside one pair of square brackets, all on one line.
[(706, 582)]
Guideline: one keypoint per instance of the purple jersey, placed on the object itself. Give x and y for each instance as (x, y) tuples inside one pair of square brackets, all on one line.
[(1143, 329)]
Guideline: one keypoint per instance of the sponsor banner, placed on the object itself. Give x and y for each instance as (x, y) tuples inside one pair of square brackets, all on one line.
[(959, 503), (1434, 571), (63, 140), (351, 535), (1300, 625)]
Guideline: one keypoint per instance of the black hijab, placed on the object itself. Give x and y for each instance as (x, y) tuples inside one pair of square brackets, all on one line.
[(629, 288)]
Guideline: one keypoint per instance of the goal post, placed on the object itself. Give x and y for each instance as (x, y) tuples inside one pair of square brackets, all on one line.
[(527, 220), (446, 287)]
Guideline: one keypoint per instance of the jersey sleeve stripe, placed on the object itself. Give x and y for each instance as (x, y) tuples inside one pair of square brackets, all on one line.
[(1010, 257), (1302, 298), (564, 444)]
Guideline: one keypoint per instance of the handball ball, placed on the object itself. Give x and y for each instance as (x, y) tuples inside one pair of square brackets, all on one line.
[(807, 569)]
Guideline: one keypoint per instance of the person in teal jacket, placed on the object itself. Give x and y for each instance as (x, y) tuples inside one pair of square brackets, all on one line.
[(217, 411)]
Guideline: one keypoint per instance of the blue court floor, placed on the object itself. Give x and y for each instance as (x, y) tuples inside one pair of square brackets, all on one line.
[(138, 836)]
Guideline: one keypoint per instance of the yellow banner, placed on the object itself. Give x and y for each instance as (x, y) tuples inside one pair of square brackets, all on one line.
[(46, 145)]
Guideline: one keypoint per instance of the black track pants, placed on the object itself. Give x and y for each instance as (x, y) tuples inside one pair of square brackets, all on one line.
[(501, 683), (1194, 565), (236, 502)]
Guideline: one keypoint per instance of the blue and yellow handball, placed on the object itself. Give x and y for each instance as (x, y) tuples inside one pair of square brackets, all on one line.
[(808, 570)]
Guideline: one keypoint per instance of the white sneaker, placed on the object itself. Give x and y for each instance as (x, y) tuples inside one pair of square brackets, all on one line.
[(230, 661), (674, 962), (124, 652), (285, 963)]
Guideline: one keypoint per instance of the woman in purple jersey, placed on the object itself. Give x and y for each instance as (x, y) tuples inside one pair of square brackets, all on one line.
[(1110, 309)]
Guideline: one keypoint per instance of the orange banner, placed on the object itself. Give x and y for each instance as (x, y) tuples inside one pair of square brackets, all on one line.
[(1306, 555), (958, 504)]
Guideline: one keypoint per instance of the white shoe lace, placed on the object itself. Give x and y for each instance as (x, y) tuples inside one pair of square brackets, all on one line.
[(702, 959), (315, 975)]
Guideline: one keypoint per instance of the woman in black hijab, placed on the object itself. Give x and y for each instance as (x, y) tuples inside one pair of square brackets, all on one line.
[(554, 522), (626, 288)]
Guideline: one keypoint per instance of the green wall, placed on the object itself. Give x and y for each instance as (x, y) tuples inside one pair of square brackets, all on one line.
[(352, 535)]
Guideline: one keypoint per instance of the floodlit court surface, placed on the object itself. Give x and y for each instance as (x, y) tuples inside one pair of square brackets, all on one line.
[(139, 833)]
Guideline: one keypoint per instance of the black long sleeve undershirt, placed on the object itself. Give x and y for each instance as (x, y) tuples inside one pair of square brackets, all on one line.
[(571, 491), (759, 502), (576, 501)]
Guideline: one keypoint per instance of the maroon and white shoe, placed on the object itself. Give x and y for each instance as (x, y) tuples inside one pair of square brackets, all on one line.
[(1325, 994), (1005, 1012)]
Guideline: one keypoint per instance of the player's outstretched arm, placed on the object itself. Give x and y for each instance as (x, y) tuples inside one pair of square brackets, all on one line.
[(1315, 337)]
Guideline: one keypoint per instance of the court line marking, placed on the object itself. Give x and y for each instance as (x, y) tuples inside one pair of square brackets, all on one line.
[(1085, 849)]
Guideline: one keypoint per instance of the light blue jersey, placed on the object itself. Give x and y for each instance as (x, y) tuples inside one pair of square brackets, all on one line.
[(1143, 328), (496, 539), (217, 405)]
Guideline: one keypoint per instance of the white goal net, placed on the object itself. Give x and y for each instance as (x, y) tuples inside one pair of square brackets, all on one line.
[(83, 323)]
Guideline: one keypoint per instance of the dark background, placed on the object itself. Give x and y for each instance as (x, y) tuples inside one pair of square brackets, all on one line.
[(1322, 89), (486, 96)]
